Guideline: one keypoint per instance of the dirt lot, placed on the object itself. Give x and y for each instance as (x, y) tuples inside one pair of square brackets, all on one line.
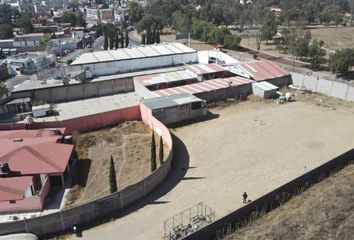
[(129, 145), (240, 149), (325, 211), (335, 37)]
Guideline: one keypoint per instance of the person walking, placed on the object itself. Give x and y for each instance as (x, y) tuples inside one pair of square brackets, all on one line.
[(245, 196)]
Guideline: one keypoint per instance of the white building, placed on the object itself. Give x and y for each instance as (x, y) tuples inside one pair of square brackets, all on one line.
[(134, 59)]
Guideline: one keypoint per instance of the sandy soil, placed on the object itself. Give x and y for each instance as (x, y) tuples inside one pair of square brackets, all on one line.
[(325, 211), (128, 143)]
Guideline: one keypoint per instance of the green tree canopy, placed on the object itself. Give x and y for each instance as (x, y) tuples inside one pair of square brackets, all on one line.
[(6, 31), (136, 12), (69, 17)]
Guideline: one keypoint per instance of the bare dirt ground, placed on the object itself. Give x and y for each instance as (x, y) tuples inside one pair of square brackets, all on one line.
[(128, 143), (239, 149), (325, 211), (335, 37)]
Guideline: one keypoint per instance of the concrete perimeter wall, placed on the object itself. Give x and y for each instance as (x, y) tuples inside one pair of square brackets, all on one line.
[(335, 88), (78, 91), (91, 213), (271, 199)]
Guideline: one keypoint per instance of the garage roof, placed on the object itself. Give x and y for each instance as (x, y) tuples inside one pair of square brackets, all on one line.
[(263, 70), (148, 80), (170, 101), (205, 86), (163, 49), (266, 86), (14, 188)]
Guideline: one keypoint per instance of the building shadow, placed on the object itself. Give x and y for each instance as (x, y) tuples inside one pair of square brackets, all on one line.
[(208, 117), (83, 168), (193, 178)]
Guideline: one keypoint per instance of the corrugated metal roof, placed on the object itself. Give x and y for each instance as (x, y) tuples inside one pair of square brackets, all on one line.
[(263, 70), (205, 86), (14, 188), (148, 80), (266, 86), (170, 101), (11, 134), (205, 68), (131, 53)]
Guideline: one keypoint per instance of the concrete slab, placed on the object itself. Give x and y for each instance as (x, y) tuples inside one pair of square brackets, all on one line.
[(252, 146), (90, 106)]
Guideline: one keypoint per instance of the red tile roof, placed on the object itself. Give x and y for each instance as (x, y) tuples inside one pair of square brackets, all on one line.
[(35, 155), (263, 70), (14, 188), (205, 86), (11, 134)]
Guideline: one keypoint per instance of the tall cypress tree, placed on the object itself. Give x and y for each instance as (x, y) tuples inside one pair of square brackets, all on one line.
[(105, 43), (153, 152), (161, 150), (158, 40), (126, 39), (121, 39), (153, 37), (143, 39), (116, 42), (112, 177), (111, 40)]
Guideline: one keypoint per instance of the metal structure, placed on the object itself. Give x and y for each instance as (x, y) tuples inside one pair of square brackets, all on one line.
[(188, 221)]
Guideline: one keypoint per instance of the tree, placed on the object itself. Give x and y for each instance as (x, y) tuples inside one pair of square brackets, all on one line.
[(44, 41), (153, 152), (135, 13), (158, 40), (6, 31), (112, 177), (116, 42), (316, 54), (232, 41), (121, 40), (330, 14), (126, 39), (153, 35), (161, 151), (69, 17), (111, 40), (25, 23), (341, 61), (143, 39), (269, 29), (105, 43)]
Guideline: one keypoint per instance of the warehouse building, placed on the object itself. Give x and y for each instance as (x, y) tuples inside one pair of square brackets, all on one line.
[(213, 90), (133, 59), (174, 108), (262, 70)]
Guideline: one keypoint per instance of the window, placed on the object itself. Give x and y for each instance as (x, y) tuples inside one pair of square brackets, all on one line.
[(12, 201)]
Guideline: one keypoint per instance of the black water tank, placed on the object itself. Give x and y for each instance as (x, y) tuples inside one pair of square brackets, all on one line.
[(4, 168)]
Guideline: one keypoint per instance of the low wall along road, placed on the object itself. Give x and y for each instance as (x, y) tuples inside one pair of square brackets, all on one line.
[(89, 213)]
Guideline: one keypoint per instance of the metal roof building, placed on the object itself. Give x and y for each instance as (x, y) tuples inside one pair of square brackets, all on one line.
[(205, 86), (134, 59), (175, 108), (262, 70), (264, 89), (213, 90)]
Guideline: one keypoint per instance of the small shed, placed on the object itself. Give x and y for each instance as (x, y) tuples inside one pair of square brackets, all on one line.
[(40, 110), (176, 108), (264, 89)]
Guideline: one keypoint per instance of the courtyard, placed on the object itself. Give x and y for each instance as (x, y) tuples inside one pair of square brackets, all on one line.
[(253, 146)]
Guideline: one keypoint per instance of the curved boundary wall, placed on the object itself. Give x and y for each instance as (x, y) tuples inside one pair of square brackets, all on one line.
[(270, 200), (90, 213)]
